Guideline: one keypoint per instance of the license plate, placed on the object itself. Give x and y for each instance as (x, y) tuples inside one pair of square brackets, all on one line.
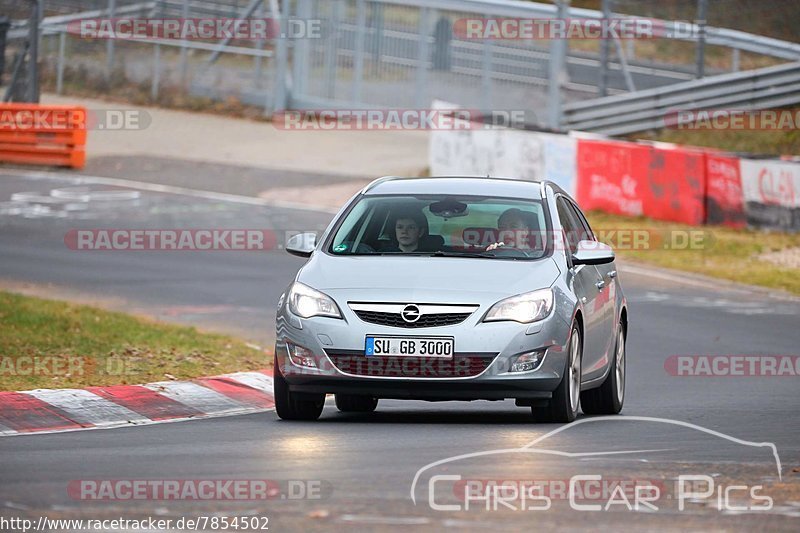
[(442, 347)]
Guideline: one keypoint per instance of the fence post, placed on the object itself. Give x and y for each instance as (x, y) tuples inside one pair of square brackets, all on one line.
[(281, 99), (301, 52), (5, 23), (156, 80), (422, 57), (486, 74), (358, 60), (258, 60), (332, 50), (184, 67), (112, 7), (604, 52), (702, 13), (33, 52), (376, 15), (156, 72), (62, 45), (558, 55)]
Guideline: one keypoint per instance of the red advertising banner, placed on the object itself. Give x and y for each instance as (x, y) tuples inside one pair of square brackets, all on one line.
[(633, 179), (724, 196), (608, 177)]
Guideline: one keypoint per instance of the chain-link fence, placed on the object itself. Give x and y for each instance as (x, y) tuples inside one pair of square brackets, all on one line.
[(779, 19), (386, 53), (19, 76)]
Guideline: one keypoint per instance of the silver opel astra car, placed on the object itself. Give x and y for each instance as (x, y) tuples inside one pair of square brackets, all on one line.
[(453, 289)]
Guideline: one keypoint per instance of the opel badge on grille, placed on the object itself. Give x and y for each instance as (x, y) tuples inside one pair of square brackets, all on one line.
[(411, 313)]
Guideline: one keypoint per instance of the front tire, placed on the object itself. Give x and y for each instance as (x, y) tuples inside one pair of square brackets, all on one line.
[(608, 398), (563, 406), (349, 403), (295, 405)]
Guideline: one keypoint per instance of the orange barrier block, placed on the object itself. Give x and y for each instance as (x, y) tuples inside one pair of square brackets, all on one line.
[(43, 135)]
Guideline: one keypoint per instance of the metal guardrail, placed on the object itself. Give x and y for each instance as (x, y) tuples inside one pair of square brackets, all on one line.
[(764, 88), (749, 42), (56, 23)]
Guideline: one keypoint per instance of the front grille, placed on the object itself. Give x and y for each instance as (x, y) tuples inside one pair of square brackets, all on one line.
[(425, 321), (460, 366)]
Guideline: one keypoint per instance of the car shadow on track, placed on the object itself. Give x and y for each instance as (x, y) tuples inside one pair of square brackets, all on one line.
[(513, 415)]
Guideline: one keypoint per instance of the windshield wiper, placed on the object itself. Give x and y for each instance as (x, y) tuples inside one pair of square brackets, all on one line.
[(483, 255), (488, 255)]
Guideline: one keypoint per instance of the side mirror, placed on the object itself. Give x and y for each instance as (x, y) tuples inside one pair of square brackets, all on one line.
[(302, 244), (593, 253)]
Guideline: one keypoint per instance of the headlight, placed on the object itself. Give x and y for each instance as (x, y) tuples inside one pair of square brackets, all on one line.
[(525, 308), (306, 302)]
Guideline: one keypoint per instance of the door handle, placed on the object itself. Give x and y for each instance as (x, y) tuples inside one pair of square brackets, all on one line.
[(612, 274), (600, 284)]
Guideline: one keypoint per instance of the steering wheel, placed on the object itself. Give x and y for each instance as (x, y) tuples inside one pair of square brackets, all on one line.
[(364, 248), (508, 250)]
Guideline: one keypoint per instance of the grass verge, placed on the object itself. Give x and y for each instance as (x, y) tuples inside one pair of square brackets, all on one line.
[(766, 142), (54, 344), (715, 251), (82, 82)]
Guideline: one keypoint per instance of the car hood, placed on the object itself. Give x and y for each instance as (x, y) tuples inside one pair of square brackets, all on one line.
[(417, 278)]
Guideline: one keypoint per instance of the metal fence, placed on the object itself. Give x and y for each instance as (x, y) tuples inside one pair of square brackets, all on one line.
[(390, 53), (385, 53)]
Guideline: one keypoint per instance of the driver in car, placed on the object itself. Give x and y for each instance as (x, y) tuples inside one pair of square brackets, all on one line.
[(410, 227)]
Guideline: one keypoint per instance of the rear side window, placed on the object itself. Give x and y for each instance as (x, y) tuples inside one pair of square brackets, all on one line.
[(573, 229), (588, 234)]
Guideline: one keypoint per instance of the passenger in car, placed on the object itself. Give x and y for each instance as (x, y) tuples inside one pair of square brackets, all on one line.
[(514, 229)]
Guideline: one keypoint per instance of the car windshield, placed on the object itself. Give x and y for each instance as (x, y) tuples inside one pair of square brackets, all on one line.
[(444, 226)]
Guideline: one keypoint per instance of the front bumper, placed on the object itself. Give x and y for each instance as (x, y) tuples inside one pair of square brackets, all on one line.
[(418, 389), (500, 342)]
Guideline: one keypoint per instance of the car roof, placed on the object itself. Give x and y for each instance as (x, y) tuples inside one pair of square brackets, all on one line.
[(472, 185)]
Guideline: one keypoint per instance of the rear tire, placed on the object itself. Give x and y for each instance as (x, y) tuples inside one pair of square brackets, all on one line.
[(564, 405), (608, 398), (350, 403), (295, 405)]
